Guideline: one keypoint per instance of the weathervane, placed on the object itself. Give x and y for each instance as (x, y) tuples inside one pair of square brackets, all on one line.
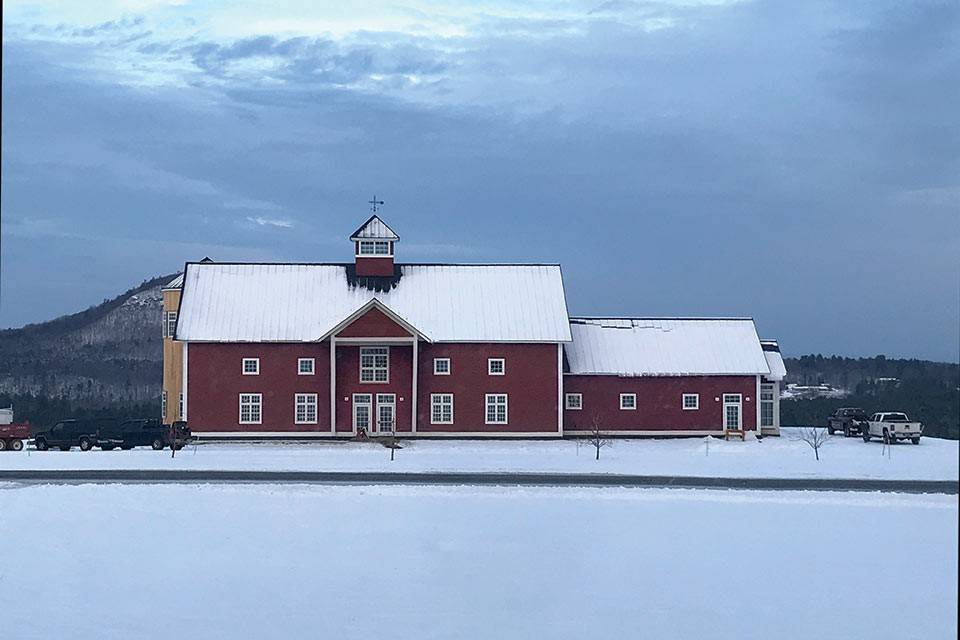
[(374, 203)]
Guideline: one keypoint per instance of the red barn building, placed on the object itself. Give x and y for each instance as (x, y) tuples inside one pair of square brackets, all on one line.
[(443, 350)]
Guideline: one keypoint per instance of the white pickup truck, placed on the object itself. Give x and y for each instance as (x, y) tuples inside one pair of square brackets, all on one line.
[(891, 427)]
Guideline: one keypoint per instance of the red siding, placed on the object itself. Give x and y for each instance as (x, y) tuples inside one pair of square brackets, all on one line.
[(373, 324), (215, 383), (348, 383), (374, 266), (658, 402), (530, 381)]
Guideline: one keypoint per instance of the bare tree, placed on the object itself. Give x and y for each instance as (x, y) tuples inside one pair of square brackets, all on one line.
[(815, 437), (596, 437)]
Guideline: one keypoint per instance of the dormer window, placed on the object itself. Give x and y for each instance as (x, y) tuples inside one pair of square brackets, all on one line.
[(375, 248)]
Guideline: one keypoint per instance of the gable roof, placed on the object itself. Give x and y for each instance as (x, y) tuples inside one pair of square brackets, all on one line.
[(233, 302), (374, 228), (665, 347)]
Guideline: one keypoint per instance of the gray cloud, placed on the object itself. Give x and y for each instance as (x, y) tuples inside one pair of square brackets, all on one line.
[(713, 166)]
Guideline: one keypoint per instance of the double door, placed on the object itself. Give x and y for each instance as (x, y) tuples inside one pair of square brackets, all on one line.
[(374, 413)]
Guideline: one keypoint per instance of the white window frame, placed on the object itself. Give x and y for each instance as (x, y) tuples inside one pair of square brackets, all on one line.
[(305, 400), (313, 366), (771, 402), (696, 401), (368, 248), (628, 395), (380, 351), (254, 400), (169, 323), (180, 407), (436, 371), (503, 366), (439, 400), (487, 404), (570, 396), (163, 405), (243, 366)]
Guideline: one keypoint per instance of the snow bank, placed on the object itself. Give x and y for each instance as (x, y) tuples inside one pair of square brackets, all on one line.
[(786, 457)]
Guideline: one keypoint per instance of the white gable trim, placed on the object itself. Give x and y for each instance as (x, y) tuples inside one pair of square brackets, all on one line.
[(374, 229), (375, 304)]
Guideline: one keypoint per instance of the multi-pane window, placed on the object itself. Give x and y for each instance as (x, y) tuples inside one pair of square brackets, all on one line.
[(574, 401), (766, 405), (180, 407), (305, 366), (691, 401), (163, 405), (495, 366), (374, 364), (374, 248), (251, 366), (496, 408), (250, 408), (628, 401), (441, 366), (305, 408), (441, 408), (169, 323)]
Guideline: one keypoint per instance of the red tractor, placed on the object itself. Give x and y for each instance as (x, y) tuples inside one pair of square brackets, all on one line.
[(12, 435)]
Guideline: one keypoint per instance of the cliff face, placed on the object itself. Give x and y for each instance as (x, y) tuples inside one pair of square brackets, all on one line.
[(106, 354)]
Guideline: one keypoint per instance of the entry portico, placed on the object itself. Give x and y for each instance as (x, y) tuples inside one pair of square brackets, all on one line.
[(382, 350)]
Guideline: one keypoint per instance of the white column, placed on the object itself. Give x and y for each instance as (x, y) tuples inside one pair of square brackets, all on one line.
[(756, 401), (183, 383), (333, 385), (413, 403), (560, 388)]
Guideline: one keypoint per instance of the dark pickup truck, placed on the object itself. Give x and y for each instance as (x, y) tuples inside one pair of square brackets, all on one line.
[(138, 432), (66, 434), (851, 421)]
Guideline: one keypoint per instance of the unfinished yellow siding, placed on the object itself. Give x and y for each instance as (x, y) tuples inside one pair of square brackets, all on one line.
[(172, 361)]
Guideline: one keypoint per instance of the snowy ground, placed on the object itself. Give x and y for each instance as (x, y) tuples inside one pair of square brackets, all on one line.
[(933, 459), (266, 561)]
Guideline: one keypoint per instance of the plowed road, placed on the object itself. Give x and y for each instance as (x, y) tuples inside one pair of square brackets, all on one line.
[(154, 476)]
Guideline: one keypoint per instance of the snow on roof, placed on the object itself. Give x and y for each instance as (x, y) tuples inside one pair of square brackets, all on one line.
[(771, 351), (665, 347), (176, 283), (374, 228), (224, 302)]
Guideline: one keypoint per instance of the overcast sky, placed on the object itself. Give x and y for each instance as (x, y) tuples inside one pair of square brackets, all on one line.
[(798, 162)]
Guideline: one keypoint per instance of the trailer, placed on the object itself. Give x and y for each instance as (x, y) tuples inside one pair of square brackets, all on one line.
[(12, 435)]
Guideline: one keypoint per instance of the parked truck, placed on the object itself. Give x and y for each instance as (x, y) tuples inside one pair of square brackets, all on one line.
[(892, 426), (12, 434), (851, 421)]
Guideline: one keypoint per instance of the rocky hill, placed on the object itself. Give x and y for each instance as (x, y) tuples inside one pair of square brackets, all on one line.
[(108, 355)]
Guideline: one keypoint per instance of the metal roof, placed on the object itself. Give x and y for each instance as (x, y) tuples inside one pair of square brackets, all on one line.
[(230, 302), (374, 228), (176, 283), (665, 347)]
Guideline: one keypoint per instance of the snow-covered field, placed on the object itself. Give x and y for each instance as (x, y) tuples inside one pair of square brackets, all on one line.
[(296, 561), (933, 459)]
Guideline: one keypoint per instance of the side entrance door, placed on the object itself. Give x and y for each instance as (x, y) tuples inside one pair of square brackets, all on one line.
[(732, 412), (386, 412)]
